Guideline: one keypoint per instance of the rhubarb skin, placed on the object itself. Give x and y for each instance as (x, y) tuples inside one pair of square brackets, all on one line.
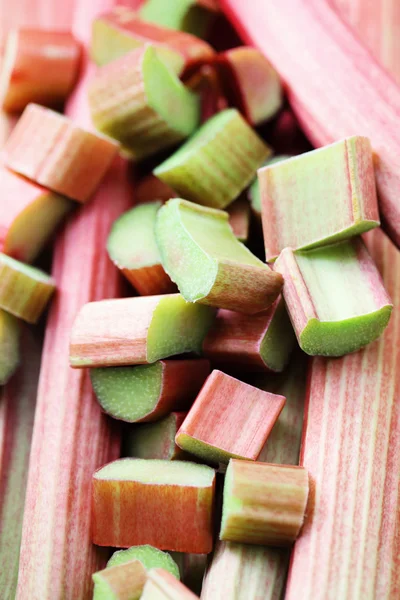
[(129, 509), (17, 409), (228, 419), (250, 83), (7, 123), (117, 32), (38, 66), (55, 153), (134, 331), (205, 82), (29, 214), (261, 342), (9, 345), (161, 585), (319, 197), (254, 189), (239, 218), (335, 297), (344, 75), (122, 582), (155, 440), (152, 189)]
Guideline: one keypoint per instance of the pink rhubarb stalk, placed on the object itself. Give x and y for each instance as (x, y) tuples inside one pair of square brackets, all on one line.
[(164, 586)]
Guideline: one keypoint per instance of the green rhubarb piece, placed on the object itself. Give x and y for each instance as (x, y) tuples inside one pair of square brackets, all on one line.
[(139, 101), (9, 345), (335, 297), (204, 258), (183, 15), (217, 162), (154, 440), (254, 189), (122, 582), (150, 557)]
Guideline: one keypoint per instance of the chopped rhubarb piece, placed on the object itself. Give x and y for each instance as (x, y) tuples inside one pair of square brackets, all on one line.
[(202, 255), (132, 247), (9, 345), (17, 409), (122, 582), (49, 149), (161, 585), (259, 342), (349, 92), (38, 65), (319, 197), (148, 392), (192, 568), (205, 82), (254, 189), (250, 83), (29, 214), (140, 102), (192, 16), (119, 31), (24, 290), (133, 331), (151, 189), (148, 556), (135, 502), (156, 440), (335, 297), (239, 218), (229, 419), (215, 165), (7, 123), (263, 503)]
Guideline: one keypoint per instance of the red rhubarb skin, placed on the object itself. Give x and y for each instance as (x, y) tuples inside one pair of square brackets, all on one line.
[(150, 281), (35, 13), (232, 416), (349, 92), (169, 517), (45, 69), (168, 586)]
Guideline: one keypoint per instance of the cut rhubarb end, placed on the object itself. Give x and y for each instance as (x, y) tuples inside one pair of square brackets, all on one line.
[(120, 31), (134, 502), (254, 189), (239, 218), (29, 214), (141, 103), (319, 197), (9, 345), (202, 255), (155, 440), (250, 83), (133, 331), (229, 419), (211, 170), (259, 342), (132, 247), (161, 585), (49, 149), (263, 503), (192, 16), (122, 582), (24, 290), (38, 66), (335, 298), (148, 556), (149, 392)]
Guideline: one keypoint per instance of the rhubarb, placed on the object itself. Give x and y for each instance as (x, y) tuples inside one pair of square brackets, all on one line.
[(229, 419), (9, 345), (335, 297), (192, 16), (17, 408), (348, 91), (205, 82), (133, 331), (122, 582), (29, 214), (38, 65), (132, 247), (140, 102), (54, 152), (156, 440), (148, 556), (319, 197), (119, 31), (202, 255), (192, 568), (135, 501), (24, 290), (149, 392), (263, 503), (254, 189), (259, 342), (209, 168), (250, 83), (152, 189), (161, 585), (239, 218)]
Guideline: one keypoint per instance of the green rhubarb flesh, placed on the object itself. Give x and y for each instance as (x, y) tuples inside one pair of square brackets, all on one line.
[(231, 504), (207, 452), (192, 240), (132, 243), (182, 15), (127, 393), (27, 270), (279, 340), (150, 557), (148, 440), (157, 472), (254, 189), (217, 162), (9, 345)]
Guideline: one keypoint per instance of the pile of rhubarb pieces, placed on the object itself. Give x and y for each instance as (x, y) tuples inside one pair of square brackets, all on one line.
[(205, 260)]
